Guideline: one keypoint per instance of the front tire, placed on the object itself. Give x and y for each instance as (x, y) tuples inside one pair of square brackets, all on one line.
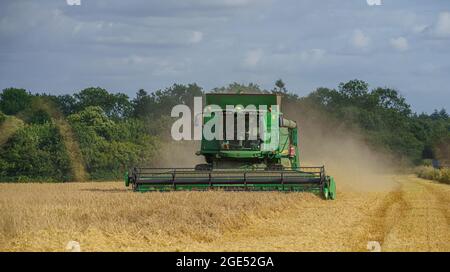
[(275, 167), (203, 167)]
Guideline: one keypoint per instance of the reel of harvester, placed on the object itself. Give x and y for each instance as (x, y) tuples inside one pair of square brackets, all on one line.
[(309, 179)]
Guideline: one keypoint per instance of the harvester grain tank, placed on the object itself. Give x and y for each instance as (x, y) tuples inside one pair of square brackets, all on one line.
[(265, 157)]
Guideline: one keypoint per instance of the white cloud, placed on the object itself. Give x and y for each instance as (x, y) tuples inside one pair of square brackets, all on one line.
[(400, 43), (140, 64), (427, 69), (312, 55), (253, 57), (419, 28), (360, 39), (442, 28), (374, 2), (237, 3), (196, 37), (147, 39), (73, 2), (125, 34)]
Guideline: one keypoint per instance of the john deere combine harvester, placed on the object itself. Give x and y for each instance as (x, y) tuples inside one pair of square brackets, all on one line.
[(264, 156)]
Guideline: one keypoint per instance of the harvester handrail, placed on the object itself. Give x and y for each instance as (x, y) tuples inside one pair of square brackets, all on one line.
[(156, 171), (238, 169)]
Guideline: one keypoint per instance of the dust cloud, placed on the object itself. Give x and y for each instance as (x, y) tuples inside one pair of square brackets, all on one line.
[(346, 156), (178, 154)]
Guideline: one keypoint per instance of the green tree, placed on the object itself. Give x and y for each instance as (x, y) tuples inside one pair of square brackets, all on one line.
[(67, 104), (353, 88), (383, 115), (2, 117), (390, 99), (114, 105), (35, 152), (328, 99), (14, 100), (161, 102), (237, 88), (142, 104), (280, 87), (109, 147)]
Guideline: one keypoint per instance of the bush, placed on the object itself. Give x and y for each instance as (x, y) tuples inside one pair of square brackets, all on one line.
[(14, 100), (428, 172), (2, 117), (35, 152), (109, 147)]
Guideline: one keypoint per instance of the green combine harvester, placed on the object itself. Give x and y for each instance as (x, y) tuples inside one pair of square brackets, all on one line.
[(261, 159)]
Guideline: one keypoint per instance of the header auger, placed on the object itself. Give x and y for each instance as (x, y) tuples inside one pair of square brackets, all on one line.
[(260, 153)]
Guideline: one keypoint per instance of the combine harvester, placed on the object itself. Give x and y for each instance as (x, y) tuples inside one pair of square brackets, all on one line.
[(248, 164)]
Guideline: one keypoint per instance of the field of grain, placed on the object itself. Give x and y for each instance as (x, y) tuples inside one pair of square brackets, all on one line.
[(104, 216)]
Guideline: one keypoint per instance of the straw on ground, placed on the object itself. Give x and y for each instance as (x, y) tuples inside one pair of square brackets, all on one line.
[(104, 216)]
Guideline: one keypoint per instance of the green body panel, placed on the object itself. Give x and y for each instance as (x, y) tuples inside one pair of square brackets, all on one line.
[(295, 160), (242, 154), (223, 100), (234, 187)]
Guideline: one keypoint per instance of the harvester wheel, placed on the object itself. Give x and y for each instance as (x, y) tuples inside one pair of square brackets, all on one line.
[(332, 194), (329, 189), (203, 167), (275, 167), (326, 194), (127, 179)]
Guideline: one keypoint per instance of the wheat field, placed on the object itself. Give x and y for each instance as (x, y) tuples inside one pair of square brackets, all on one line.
[(105, 216)]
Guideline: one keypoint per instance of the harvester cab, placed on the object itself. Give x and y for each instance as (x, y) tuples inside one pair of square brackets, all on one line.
[(254, 134), (247, 144)]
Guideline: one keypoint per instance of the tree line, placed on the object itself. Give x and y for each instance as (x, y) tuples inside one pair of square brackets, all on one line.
[(115, 132)]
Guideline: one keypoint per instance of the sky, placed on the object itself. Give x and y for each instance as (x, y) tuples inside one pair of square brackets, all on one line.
[(59, 47)]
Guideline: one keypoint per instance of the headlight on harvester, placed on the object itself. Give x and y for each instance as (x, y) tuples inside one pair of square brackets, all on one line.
[(291, 151)]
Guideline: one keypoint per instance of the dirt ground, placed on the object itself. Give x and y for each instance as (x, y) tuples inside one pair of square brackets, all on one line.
[(415, 216)]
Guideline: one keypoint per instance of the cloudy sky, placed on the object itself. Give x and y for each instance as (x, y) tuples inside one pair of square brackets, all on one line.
[(125, 45)]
